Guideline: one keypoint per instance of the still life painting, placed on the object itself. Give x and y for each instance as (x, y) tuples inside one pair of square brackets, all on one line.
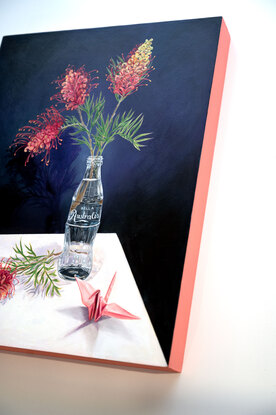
[(102, 133)]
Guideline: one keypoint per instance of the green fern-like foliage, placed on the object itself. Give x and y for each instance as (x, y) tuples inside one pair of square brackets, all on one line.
[(40, 269), (89, 114), (125, 126), (96, 131)]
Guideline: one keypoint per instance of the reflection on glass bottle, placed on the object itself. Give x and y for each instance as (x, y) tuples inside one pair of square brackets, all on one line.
[(82, 224)]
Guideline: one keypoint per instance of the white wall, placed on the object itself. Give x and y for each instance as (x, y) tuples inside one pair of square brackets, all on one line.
[(230, 361)]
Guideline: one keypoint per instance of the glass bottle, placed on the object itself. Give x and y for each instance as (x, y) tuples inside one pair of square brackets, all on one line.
[(82, 224)]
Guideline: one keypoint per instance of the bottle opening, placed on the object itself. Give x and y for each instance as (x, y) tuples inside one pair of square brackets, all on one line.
[(96, 160)]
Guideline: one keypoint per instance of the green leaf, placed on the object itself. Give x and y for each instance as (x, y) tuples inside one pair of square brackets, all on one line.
[(47, 290), (38, 268), (128, 128)]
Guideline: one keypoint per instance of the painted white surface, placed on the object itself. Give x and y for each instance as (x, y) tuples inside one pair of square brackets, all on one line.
[(60, 324), (230, 362)]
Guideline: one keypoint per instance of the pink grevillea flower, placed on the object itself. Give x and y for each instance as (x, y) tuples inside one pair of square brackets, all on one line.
[(7, 279), (41, 136), (74, 87), (126, 75)]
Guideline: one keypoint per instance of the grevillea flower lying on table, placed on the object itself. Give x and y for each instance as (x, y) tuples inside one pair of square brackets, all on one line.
[(89, 126), (7, 279)]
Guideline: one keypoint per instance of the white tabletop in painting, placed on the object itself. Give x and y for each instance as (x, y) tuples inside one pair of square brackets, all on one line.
[(60, 324)]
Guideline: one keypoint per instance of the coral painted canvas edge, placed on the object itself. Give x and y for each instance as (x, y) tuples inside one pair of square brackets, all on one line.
[(200, 200)]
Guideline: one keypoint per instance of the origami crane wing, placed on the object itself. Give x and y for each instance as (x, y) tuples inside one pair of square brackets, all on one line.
[(114, 310), (90, 298), (87, 292)]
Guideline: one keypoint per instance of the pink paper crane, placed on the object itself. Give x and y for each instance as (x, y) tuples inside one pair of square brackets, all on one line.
[(97, 305)]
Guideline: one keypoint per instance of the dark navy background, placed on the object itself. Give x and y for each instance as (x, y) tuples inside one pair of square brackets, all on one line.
[(148, 195)]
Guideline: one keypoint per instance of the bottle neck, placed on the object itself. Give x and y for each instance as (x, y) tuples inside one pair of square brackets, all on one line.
[(93, 167)]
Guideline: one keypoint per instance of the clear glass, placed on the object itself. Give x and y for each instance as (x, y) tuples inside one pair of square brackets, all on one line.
[(82, 224)]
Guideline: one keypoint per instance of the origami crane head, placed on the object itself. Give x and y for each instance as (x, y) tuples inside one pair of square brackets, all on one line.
[(97, 305)]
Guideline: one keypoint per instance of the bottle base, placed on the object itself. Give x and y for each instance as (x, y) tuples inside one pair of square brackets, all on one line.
[(69, 273)]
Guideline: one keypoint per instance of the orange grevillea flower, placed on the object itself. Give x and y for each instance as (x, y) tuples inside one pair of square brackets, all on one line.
[(74, 87), (126, 75), (7, 279), (41, 136)]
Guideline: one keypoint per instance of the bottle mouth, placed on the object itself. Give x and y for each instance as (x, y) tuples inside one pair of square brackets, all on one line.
[(96, 160)]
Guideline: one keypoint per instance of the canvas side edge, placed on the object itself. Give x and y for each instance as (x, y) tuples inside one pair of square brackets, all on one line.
[(74, 358), (199, 206)]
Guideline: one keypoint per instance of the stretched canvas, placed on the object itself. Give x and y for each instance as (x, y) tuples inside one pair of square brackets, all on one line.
[(168, 79)]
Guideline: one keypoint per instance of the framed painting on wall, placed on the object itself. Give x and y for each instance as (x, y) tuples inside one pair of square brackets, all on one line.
[(122, 119)]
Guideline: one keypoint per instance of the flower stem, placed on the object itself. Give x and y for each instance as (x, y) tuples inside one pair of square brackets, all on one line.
[(115, 110), (87, 132), (100, 151), (76, 202), (80, 114)]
